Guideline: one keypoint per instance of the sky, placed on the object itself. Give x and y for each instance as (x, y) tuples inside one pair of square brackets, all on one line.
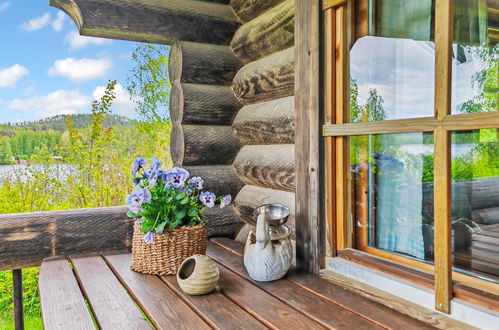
[(403, 73), (47, 68)]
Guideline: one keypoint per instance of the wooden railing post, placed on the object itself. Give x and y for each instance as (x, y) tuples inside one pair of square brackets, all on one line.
[(17, 279)]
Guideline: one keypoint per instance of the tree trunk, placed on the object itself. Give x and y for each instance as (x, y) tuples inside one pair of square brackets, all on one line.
[(270, 166), (199, 63), (269, 122)]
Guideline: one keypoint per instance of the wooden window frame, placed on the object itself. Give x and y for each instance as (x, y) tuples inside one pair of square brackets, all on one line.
[(338, 26)]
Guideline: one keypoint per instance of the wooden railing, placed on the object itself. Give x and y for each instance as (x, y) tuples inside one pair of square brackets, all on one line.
[(26, 239)]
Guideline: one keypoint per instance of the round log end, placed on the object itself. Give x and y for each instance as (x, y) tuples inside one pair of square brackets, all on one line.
[(176, 102), (177, 144), (175, 61)]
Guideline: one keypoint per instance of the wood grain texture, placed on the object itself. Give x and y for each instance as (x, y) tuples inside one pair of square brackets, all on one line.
[(444, 17), (203, 145), (270, 122), (17, 297), (246, 10), (435, 319), (202, 104), (268, 166), (222, 222), (153, 21), (161, 305), (266, 34), (219, 179), (266, 79), (62, 303), (377, 313), (321, 310), (28, 238), (110, 303), (270, 311), (309, 248), (216, 309), (202, 63), (250, 197)]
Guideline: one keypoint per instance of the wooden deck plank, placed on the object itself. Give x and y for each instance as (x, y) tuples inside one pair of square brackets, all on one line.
[(111, 305), (218, 310), (377, 313), (319, 309), (62, 303), (269, 310), (161, 305)]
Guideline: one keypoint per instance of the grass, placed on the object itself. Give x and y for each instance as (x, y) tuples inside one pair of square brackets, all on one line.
[(31, 298)]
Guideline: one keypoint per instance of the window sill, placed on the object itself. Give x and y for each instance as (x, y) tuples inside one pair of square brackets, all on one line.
[(420, 278)]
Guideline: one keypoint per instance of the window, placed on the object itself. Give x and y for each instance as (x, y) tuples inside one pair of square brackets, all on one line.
[(411, 135)]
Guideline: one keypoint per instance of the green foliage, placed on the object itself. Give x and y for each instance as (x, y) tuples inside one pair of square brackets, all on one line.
[(149, 82), (30, 297)]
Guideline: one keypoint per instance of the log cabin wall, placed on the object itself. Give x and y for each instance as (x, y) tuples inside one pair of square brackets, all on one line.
[(202, 108), (265, 125)]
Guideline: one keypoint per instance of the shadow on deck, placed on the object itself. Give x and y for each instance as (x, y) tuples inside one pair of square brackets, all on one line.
[(102, 290)]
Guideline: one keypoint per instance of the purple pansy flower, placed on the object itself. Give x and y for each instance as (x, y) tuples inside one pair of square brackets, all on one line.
[(153, 170), (225, 201), (207, 198), (176, 177), (138, 196), (197, 182), (137, 164), (149, 237)]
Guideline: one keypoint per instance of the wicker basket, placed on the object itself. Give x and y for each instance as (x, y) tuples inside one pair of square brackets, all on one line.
[(166, 253)]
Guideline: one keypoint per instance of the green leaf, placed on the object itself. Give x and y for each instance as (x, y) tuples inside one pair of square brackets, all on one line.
[(184, 201), (130, 214), (192, 213), (180, 214), (147, 226), (160, 228), (179, 197)]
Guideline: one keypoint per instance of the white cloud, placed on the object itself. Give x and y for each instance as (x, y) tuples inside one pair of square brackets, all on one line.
[(59, 21), (123, 105), (80, 70), (55, 103), (5, 5), (36, 23), (10, 76), (76, 41)]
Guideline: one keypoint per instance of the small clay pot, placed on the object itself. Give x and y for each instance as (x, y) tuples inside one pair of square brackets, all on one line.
[(197, 275)]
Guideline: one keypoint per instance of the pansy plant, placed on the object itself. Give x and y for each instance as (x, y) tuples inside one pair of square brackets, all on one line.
[(167, 199)]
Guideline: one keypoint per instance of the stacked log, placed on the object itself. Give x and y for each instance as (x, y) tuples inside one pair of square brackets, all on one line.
[(202, 108), (266, 34), (265, 126)]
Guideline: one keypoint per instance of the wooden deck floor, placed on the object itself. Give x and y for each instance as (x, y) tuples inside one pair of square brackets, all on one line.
[(86, 292)]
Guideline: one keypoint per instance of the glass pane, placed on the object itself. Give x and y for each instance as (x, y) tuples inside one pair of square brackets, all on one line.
[(475, 201), (475, 63), (391, 79), (392, 190)]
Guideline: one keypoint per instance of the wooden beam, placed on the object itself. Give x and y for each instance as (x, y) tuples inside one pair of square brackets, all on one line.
[(247, 10), (269, 166), (266, 34), (269, 78), (203, 145), (198, 104), (199, 63), (309, 246), (271, 122), (444, 18), (152, 21)]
